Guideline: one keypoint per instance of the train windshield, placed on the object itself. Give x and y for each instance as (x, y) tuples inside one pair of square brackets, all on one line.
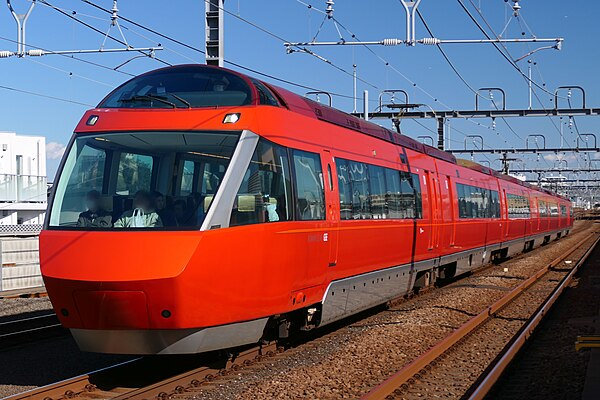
[(151, 180), (181, 87)]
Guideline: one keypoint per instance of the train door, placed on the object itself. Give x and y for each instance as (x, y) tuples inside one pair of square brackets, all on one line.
[(505, 213), (332, 201), (434, 209), (449, 218)]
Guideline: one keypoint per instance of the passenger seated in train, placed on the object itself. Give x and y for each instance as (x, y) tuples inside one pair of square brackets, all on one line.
[(95, 216), (180, 212), (167, 216), (270, 206), (143, 214)]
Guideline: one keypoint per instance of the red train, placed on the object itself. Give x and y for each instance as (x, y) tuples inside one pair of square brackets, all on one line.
[(275, 214)]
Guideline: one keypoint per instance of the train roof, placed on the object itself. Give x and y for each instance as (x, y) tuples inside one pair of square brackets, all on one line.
[(247, 91), (311, 108)]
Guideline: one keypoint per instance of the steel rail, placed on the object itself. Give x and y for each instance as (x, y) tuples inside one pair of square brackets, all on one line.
[(36, 317), (191, 381), (394, 382), (67, 388), (486, 384), (83, 386), (20, 331)]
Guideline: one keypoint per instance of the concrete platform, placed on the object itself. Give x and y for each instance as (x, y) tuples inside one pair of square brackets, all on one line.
[(591, 388)]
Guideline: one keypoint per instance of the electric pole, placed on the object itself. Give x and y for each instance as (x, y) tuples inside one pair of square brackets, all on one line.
[(214, 32)]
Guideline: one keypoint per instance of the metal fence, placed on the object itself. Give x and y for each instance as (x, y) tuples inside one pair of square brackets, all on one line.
[(19, 263), (23, 188), (20, 230)]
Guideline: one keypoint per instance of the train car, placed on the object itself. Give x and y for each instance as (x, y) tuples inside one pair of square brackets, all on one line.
[(199, 209)]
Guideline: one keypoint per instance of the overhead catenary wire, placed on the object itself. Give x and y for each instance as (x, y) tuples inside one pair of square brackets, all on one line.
[(462, 78), (439, 47), (388, 64), (508, 57), (70, 56), (105, 35), (69, 73), (232, 63), (300, 49), (519, 17), (9, 88)]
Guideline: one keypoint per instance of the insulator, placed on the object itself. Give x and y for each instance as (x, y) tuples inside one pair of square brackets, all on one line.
[(6, 54), (329, 9), (391, 42), (430, 41), (35, 53)]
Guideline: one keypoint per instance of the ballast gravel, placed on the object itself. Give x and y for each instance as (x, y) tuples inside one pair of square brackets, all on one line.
[(18, 306)]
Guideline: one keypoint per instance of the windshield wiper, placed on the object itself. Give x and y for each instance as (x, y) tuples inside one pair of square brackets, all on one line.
[(147, 97), (181, 99)]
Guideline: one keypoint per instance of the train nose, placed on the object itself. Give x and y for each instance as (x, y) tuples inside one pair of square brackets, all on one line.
[(105, 309)]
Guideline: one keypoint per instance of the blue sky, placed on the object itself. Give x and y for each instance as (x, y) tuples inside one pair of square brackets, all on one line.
[(480, 64)]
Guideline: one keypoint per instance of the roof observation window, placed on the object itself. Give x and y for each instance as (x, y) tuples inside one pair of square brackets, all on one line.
[(188, 86)]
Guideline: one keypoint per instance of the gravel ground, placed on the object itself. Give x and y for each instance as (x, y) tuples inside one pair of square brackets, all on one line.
[(347, 362), (14, 307), (469, 359), (549, 367)]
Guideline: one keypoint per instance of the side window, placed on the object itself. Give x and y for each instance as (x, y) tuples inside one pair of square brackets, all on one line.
[(377, 198), (310, 200), (345, 189), (418, 200), (563, 210), (518, 206), (187, 178), (134, 173), (265, 192), (360, 190), (553, 210), (542, 208), (495, 204), (265, 96), (393, 194), (476, 202), (408, 204), (370, 191), (465, 198)]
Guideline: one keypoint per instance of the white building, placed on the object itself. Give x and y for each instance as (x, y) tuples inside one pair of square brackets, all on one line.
[(23, 187)]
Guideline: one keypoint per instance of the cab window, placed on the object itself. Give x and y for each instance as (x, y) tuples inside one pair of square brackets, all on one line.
[(310, 196)]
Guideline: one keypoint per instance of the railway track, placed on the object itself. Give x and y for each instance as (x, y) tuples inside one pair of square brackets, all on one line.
[(24, 330), (151, 377), (441, 365), (24, 293)]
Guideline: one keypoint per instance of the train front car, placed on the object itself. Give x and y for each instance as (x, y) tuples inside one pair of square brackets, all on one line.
[(133, 255)]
